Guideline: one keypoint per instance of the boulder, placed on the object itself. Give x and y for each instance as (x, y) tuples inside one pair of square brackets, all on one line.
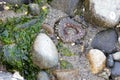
[(102, 13), (45, 54), (97, 60)]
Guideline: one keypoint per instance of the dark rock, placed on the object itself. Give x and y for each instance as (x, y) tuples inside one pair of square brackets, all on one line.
[(110, 61), (115, 71), (68, 6), (105, 40), (70, 31)]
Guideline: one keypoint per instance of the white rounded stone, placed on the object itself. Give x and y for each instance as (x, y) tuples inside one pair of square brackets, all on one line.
[(45, 54)]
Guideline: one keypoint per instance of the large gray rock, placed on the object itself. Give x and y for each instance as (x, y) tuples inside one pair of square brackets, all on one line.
[(105, 40), (102, 13), (68, 6), (45, 54)]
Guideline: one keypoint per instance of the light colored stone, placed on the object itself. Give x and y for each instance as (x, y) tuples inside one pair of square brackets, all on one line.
[(97, 60), (102, 13), (66, 74), (45, 54), (116, 56), (42, 76)]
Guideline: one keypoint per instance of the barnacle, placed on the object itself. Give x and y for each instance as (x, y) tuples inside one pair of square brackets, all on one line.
[(69, 30)]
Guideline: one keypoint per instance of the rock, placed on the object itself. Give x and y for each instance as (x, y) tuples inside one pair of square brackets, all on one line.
[(53, 16), (110, 61), (97, 60), (102, 13), (66, 74), (70, 31), (105, 40), (34, 9), (42, 76), (45, 54), (67, 6), (116, 56), (115, 71), (10, 76)]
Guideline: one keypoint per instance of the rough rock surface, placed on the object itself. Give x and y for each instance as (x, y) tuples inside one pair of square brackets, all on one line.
[(102, 13), (105, 40), (53, 16), (45, 54), (70, 30), (97, 60), (68, 6), (66, 74)]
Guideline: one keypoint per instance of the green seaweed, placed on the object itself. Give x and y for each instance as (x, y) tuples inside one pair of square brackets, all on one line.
[(18, 44), (63, 50), (65, 65)]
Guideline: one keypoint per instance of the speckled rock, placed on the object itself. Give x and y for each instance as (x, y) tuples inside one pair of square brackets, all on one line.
[(66, 74), (110, 61), (53, 16), (68, 6), (44, 54), (116, 56), (102, 13), (97, 60), (42, 76), (105, 40), (115, 71)]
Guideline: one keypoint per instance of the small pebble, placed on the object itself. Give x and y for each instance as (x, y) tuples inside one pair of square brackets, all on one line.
[(110, 61), (116, 56), (42, 76), (97, 60)]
